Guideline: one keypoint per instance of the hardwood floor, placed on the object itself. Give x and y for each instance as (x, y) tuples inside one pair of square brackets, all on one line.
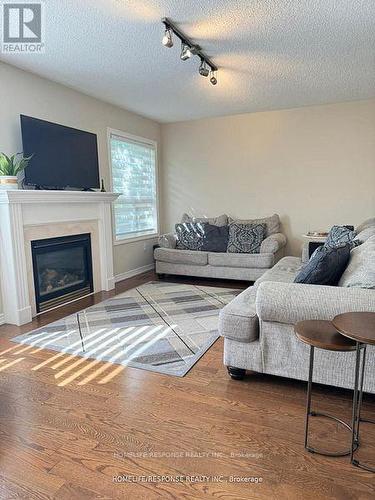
[(81, 440)]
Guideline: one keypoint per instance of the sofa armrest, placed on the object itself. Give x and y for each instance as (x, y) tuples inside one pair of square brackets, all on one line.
[(273, 243), (293, 302), (167, 240)]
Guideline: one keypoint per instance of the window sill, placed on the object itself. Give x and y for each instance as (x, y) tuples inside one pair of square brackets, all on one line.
[(136, 238)]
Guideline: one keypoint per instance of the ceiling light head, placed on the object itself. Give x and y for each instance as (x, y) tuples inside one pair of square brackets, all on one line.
[(185, 52), (213, 78), (167, 40), (203, 70)]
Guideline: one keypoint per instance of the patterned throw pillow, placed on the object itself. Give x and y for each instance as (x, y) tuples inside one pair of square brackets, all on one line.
[(189, 235), (215, 238), (245, 238), (340, 236), (325, 266)]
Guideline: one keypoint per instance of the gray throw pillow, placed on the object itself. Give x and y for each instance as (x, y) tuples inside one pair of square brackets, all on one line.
[(365, 234), (220, 220), (367, 223), (360, 272), (245, 238), (325, 266), (189, 236)]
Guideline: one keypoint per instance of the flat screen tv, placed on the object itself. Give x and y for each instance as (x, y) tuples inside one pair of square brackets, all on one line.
[(63, 157)]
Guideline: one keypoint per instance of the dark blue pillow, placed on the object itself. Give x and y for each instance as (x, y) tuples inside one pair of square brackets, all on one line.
[(215, 238), (325, 266)]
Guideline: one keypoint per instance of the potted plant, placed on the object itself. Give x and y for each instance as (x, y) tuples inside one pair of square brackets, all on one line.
[(10, 167)]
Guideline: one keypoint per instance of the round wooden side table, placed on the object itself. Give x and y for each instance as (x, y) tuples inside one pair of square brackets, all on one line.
[(360, 327), (322, 335)]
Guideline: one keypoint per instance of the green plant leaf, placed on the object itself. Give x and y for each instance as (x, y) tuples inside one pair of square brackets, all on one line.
[(3, 163), (14, 164), (22, 163)]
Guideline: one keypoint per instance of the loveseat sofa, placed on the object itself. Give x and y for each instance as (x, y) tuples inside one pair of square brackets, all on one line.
[(258, 327), (235, 266)]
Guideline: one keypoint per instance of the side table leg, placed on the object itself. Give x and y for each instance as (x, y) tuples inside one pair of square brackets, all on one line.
[(357, 404), (313, 413), (355, 400), (360, 398), (308, 402)]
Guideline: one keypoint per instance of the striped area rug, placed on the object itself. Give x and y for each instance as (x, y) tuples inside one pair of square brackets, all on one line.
[(159, 326)]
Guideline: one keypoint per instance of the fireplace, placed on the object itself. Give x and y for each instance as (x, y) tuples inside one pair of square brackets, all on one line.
[(62, 270)]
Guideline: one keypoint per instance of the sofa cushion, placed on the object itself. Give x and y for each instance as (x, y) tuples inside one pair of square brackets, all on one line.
[(245, 238), (325, 266), (189, 236), (215, 238), (220, 220), (367, 223), (193, 257), (272, 223), (246, 260), (238, 319), (360, 272)]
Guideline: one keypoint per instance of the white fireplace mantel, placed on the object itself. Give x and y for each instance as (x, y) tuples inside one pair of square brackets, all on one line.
[(21, 210)]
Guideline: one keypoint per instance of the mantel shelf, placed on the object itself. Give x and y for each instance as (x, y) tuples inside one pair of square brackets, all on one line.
[(45, 196)]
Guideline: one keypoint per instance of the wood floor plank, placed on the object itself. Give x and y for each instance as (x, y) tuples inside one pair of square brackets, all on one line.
[(70, 442)]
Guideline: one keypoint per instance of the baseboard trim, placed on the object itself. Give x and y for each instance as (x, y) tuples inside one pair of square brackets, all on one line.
[(133, 272), (2, 319)]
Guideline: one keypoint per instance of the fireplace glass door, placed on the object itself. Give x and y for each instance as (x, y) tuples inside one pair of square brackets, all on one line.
[(62, 270)]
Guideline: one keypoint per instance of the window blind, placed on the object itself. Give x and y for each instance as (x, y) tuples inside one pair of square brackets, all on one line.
[(134, 175)]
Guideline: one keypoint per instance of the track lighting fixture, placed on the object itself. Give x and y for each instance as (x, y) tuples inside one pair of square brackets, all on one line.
[(185, 52), (189, 49), (167, 38), (213, 78), (195, 49), (203, 70)]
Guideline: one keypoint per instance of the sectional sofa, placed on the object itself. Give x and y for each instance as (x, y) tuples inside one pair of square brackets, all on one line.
[(258, 326)]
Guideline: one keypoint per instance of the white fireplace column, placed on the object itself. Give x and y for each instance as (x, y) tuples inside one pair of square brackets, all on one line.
[(21, 209)]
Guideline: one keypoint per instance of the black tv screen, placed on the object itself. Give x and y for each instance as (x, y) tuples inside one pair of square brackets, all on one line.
[(63, 157)]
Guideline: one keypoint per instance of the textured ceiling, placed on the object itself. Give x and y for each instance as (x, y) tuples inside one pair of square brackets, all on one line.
[(272, 54)]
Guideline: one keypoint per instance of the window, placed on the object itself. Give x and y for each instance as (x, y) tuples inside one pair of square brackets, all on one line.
[(134, 174)]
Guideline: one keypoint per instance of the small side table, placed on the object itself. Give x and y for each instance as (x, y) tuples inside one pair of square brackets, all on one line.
[(360, 327), (322, 335), (314, 242)]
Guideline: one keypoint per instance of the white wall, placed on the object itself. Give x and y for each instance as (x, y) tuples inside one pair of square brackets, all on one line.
[(23, 92), (315, 166)]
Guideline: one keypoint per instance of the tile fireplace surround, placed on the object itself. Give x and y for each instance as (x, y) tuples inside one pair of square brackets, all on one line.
[(31, 215)]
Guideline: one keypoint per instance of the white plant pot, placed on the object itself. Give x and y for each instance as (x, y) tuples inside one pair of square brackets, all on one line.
[(8, 182)]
